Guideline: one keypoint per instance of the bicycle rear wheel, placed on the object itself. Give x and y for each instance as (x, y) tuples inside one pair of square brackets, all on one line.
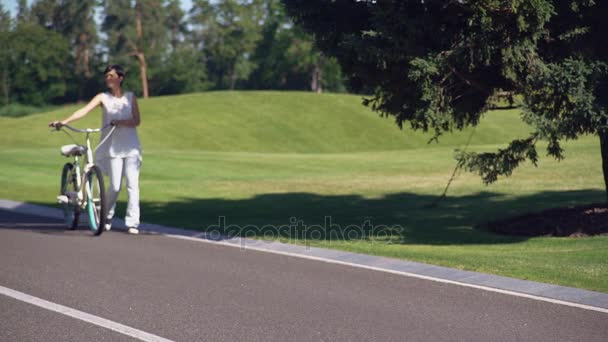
[(96, 200), (69, 185)]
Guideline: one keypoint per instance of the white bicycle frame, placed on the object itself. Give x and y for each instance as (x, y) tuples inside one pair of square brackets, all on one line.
[(79, 199)]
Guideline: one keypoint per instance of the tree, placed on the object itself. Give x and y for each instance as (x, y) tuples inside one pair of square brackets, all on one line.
[(36, 61), (136, 29), (32, 70), (175, 23), (73, 20), (322, 71), (182, 72), (23, 11), (269, 54), (138, 48), (436, 65), (285, 57), (5, 28), (182, 69), (228, 31)]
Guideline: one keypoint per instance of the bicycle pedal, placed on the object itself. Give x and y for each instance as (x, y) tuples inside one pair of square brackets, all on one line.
[(74, 196)]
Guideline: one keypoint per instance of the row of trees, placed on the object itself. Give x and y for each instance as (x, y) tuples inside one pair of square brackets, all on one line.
[(57, 49)]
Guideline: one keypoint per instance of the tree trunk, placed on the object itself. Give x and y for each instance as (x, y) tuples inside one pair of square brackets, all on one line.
[(82, 63), (317, 76), (85, 57), (315, 83), (604, 148), (87, 70), (174, 40), (5, 86), (140, 53), (78, 59), (82, 55), (232, 80), (143, 72)]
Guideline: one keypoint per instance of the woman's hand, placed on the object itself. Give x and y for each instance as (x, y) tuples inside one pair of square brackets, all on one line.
[(56, 124)]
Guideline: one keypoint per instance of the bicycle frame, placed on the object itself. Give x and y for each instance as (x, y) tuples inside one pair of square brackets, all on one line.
[(83, 192), (79, 186)]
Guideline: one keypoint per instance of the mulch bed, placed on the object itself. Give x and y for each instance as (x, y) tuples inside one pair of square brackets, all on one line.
[(573, 222)]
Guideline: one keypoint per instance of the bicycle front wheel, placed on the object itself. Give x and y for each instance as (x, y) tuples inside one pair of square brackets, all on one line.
[(69, 188), (96, 200)]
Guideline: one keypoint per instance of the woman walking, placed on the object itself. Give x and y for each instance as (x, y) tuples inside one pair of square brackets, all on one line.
[(121, 155)]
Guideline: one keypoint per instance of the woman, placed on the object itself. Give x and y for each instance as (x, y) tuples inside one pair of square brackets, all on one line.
[(121, 154)]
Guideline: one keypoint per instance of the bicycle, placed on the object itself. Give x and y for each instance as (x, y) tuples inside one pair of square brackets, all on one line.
[(84, 193)]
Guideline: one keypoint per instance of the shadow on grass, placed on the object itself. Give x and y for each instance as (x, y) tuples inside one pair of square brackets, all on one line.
[(402, 218)]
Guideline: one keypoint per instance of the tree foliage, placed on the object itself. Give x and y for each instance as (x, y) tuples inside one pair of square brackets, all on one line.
[(35, 62), (219, 44), (286, 58), (74, 21), (228, 32), (436, 65)]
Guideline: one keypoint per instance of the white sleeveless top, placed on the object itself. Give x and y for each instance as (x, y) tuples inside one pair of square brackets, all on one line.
[(124, 142)]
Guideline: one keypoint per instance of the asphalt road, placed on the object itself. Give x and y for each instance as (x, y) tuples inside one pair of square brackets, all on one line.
[(190, 291)]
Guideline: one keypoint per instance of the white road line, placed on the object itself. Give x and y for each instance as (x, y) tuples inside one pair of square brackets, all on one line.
[(402, 273), (83, 316)]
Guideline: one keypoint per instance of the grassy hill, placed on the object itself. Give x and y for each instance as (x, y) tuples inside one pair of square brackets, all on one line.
[(264, 122)]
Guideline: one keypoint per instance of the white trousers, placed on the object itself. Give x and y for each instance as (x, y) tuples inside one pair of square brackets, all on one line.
[(129, 168)]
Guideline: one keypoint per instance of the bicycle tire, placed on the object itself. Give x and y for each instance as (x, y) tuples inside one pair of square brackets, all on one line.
[(69, 183), (96, 206)]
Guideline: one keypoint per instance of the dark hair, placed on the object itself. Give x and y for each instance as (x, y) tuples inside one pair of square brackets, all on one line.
[(118, 69)]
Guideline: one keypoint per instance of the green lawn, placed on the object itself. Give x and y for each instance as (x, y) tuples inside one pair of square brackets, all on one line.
[(263, 159)]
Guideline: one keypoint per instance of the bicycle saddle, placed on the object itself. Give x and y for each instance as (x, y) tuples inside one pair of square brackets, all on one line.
[(73, 150)]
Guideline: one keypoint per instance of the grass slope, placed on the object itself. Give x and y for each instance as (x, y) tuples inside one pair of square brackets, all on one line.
[(264, 122)]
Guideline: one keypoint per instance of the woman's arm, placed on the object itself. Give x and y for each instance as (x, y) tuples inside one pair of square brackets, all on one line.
[(79, 114), (136, 117)]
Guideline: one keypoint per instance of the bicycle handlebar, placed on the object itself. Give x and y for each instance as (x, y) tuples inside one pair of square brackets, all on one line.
[(86, 130)]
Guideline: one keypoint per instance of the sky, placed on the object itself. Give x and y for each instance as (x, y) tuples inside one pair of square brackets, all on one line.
[(11, 5)]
